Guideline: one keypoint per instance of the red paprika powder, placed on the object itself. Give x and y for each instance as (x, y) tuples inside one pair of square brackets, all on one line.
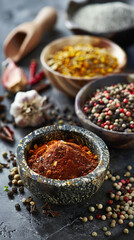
[(62, 160)]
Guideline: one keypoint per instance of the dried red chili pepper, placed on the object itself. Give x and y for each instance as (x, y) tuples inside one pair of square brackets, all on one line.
[(32, 69), (38, 77)]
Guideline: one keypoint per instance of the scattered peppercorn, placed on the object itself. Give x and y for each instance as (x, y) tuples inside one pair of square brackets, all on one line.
[(10, 177), (126, 231), (14, 189), (10, 194), (108, 233), (14, 163), (21, 189), (1, 167), (19, 182), (17, 206), (4, 154), (131, 224), (90, 218), (94, 234), (104, 229), (91, 209), (99, 206), (10, 183), (84, 219)]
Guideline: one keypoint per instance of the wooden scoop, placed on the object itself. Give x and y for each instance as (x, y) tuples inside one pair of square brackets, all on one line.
[(26, 36)]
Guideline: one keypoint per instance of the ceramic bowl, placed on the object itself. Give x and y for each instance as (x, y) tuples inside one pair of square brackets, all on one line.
[(63, 191), (71, 85), (123, 37), (112, 138)]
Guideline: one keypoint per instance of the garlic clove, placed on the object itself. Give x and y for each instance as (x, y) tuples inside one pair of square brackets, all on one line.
[(21, 121), (13, 78), (15, 109)]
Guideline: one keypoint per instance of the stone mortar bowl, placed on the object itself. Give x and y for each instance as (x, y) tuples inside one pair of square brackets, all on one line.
[(63, 191), (114, 139)]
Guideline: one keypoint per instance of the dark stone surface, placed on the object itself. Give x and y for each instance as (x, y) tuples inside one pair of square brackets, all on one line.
[(21, 225)]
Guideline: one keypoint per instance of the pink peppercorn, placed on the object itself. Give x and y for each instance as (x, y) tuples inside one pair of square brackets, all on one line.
[(129, 190), (125, 100), (121, 110), (123, 181), (117, 105), (111, 191), (126, 199), (128, 114), (85, 109), (127, 181), (98, 216), (110, 202), (107, 122), (106, 91)]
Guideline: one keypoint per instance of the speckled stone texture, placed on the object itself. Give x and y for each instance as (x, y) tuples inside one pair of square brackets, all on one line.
[(21, 225), (65, 191)]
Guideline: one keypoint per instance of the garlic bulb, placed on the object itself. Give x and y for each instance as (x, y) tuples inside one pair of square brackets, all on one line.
[(28, 108)]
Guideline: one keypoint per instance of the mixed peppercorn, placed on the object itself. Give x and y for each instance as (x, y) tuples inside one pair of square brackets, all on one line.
[(112, 108)]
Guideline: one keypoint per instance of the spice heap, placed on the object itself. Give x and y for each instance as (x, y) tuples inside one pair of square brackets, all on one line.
[(83, 60), (112, 108), (120, 205), (62, 160)]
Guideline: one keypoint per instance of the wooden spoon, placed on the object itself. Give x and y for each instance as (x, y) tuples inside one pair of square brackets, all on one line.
[(26, 36)]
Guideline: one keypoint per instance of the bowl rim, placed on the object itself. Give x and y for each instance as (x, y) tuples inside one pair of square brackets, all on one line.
[(110, 42), (83, 116), (101, 167)]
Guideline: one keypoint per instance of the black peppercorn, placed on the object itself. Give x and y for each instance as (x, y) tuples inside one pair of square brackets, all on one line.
[(10, 183), (17, 206), (14, 163), (10, 194), (14, 189), (21, 189), (10, 177)]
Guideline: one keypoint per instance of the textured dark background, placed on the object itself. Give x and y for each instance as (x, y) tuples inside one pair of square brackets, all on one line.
[(21, 225)]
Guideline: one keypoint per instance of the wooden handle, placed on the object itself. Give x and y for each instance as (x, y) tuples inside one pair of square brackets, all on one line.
[(46, 19)]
